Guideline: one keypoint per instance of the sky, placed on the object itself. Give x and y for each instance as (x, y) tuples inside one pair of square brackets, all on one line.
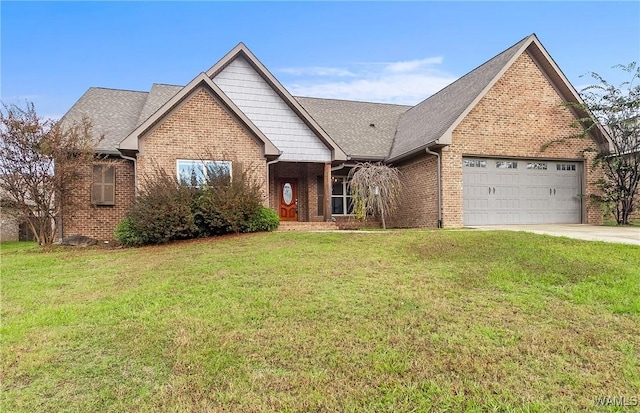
[(395, 52)]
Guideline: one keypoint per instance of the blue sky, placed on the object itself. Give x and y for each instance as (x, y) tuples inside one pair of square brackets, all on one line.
[(52, 52)]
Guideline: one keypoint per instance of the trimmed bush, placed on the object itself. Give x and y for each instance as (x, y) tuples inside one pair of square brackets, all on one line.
[(265, 220)]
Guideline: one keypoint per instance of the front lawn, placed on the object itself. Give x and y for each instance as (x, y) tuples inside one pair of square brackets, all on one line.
[(286, 321)]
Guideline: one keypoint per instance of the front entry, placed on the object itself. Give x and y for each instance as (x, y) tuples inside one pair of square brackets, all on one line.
[(288, 200)]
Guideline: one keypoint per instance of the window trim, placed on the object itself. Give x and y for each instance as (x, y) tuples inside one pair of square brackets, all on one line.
[(346, 196), (103, 184), (203, 162)]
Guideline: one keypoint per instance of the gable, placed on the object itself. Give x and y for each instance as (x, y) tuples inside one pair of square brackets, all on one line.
[(433, 121), (131, 142), (200, 124), (517, 116), (270, 113), (427, 122)]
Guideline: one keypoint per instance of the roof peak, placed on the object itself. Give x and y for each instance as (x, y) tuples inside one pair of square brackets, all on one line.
[(117, 89), (354, 101)]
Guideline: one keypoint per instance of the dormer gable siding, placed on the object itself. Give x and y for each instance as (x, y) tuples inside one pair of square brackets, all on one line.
[(267, 110)]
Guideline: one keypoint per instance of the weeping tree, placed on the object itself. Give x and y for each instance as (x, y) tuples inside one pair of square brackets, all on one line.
[(375, 189), (617, 108)]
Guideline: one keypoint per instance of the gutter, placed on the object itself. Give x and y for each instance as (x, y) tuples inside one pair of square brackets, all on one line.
[(268, 184), (437, 155), (135, 172), (342, 165)]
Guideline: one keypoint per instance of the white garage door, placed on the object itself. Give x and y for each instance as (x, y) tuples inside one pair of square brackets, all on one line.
[(508, 191)]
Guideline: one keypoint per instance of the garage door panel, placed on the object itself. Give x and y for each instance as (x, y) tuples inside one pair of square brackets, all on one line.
[(499, 191)]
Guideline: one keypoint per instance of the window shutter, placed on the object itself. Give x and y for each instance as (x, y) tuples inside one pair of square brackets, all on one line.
[(109, 185), (103, 188), (96, 187)]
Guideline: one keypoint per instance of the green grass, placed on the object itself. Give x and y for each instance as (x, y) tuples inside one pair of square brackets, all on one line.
[(400, 321)]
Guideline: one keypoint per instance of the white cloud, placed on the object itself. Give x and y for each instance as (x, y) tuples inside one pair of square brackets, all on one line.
[(317, 71), (412, 65), (403, 82)]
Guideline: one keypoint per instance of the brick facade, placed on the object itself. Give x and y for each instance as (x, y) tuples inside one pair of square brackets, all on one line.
[(99, 221), (519, 115), (418, 204), (201, 128), (516, 117)]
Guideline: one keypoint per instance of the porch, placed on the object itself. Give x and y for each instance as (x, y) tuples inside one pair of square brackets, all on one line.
[(309, 192)]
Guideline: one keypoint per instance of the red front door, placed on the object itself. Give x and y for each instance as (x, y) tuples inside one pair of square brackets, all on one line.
[(288, 200)]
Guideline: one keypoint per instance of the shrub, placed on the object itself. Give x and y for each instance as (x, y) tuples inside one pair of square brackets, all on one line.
[(126, 234), (163, 210), (169, 209), (266, 219)]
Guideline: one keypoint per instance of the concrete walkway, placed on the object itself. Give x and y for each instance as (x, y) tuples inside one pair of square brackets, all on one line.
[(622, 235)]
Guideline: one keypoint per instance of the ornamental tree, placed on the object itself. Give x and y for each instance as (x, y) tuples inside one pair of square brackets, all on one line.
[(375, 189)]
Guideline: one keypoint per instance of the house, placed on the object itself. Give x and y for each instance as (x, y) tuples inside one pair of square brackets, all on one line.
[(475, 153)]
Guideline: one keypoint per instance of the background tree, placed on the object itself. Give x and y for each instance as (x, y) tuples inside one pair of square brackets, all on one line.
[(618, 110), (374, 188), (33, 149)]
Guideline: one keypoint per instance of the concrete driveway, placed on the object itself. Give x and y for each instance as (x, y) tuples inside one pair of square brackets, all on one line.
[(622, 235)]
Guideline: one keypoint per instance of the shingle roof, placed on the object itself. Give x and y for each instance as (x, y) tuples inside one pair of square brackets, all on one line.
[(430, 119), (113, 113), (398, 131), (363, 130), (158, 96)]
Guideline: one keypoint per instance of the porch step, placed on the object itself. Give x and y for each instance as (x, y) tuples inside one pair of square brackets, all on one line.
[(307, 226)]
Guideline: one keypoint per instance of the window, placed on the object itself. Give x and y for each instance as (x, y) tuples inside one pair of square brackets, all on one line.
[(341, 201), (103, 189), (565, 167), (537, 165), (506, 164), (197, 172), (474, 163)]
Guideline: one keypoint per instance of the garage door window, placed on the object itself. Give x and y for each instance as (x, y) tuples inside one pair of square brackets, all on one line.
[(506, 164), (474, 163), (565, 167), (537, 165)]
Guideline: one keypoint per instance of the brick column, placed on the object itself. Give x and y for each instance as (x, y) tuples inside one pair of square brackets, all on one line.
[(327, 191)]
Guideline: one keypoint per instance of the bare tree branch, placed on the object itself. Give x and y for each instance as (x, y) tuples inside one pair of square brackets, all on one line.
[(40, 166)]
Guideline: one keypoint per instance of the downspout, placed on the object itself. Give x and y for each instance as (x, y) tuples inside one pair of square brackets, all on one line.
[(135, 173), (268, 184), (437, 155)]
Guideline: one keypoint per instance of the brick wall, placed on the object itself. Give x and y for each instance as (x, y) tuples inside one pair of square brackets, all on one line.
[(200, 129), (520, 113), (99, 221), (418, 203)]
